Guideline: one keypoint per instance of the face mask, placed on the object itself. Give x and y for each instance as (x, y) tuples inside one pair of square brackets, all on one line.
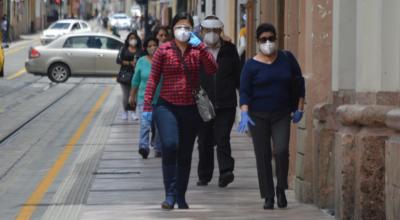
[(268, 48), (151, 51), (133, 42), (211, 38), (182, 35)]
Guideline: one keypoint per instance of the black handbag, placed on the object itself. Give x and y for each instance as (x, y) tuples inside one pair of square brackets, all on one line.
[(125, 73), (203, 103)]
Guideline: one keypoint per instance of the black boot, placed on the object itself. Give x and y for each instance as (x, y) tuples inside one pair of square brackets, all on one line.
[(182, 180), (269, 203), (169, 175), (281, 198), (225, 179)]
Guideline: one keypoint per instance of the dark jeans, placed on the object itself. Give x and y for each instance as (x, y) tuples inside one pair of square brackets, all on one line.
[(178, 127), (216, 132), (275, 125)]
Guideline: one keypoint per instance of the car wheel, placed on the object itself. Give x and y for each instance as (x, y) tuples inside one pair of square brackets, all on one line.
[(59, 72)]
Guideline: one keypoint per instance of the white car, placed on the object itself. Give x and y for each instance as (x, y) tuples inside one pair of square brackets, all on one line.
[(120, 21), (62, 27)]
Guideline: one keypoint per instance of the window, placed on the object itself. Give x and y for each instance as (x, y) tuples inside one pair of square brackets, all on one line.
[(77, 42), (84, 25), (106, 43), (113, 44), (59, 26), (76, 26)]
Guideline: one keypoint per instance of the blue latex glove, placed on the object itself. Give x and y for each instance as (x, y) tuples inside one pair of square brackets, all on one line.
[(297, 116), (194, 40), (147, 116), (244, 122)]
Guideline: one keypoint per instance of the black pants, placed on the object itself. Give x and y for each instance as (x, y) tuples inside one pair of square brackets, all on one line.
[(216, 132), (275, 125)]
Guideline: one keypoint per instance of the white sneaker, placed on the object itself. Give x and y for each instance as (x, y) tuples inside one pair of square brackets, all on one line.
[(134, 117), (124, 115)]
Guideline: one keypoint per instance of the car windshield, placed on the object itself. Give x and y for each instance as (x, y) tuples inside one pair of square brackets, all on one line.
[(120, 17), (59, 26)]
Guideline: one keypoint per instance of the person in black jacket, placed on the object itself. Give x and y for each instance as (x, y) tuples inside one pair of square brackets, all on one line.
[(127, 57), (221, 89)]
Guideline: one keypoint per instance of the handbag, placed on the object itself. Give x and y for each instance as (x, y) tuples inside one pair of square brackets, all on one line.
[(203, 103), (124, 76), (125, 73)]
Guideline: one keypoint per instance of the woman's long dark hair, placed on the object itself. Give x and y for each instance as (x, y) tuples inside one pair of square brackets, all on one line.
[(139, 42)]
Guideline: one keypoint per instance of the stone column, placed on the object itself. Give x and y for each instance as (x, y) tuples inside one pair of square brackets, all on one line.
[(392, 180)]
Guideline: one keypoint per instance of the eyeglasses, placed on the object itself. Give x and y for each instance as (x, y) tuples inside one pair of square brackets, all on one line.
[(265, 39), (186, 28)]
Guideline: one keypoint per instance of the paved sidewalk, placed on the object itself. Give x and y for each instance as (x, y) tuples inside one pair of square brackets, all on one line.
[(128, 187)]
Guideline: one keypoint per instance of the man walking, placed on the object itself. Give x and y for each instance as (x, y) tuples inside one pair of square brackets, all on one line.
[(221, 89)]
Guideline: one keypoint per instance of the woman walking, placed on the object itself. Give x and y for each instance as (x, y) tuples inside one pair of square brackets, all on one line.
[(176, 115), (127, 57), (162, 35), (139, 82), (271, 95)]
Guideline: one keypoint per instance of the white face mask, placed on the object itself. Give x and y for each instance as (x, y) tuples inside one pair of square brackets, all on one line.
[(133, 42), (211, 38), (181, 34), (268, 47)]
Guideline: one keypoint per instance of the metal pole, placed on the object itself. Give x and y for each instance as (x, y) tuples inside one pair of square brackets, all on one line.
[(146, 20)]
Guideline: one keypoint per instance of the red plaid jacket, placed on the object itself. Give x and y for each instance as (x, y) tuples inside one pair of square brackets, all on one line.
[(176, 89)]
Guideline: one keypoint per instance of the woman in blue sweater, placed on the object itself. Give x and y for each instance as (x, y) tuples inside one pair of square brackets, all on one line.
[(271, 95)]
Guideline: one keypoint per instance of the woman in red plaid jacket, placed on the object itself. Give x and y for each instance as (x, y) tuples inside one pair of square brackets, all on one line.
[(176, 115)]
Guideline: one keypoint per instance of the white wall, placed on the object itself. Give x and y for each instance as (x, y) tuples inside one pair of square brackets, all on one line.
[(344, 45), (366, 45)]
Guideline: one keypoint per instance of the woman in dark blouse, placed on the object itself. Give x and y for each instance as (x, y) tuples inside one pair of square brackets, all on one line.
[(271, 95), (127, 57)]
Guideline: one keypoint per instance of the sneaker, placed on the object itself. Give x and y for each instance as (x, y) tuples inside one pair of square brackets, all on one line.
[(124, 116), (134, 117)]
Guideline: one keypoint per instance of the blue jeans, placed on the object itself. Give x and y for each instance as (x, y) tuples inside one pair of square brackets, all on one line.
[(144, 133), (178, 127)]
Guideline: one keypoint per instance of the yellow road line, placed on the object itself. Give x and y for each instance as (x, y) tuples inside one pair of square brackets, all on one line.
[(36, 197), (17, 74)]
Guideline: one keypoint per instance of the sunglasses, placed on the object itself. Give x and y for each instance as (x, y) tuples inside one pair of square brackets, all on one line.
[(265, 39)]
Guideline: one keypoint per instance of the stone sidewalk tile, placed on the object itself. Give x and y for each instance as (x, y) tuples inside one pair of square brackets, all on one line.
[(128, 187)]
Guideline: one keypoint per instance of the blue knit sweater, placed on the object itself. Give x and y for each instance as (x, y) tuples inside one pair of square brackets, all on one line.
[(267, 87)]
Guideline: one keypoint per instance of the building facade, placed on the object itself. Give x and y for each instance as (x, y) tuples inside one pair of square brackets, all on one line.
[(344, 152)]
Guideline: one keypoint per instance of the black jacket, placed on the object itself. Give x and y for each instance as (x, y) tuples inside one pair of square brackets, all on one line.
[(221, 87)]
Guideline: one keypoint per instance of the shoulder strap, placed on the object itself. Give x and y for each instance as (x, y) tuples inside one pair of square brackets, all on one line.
[(185, 67)]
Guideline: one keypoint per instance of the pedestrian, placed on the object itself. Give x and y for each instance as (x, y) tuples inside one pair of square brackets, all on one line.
[(221, 90), (139, 83), (176, 115), (4, 29), (161, 34), (271, 95), (127, 57)]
